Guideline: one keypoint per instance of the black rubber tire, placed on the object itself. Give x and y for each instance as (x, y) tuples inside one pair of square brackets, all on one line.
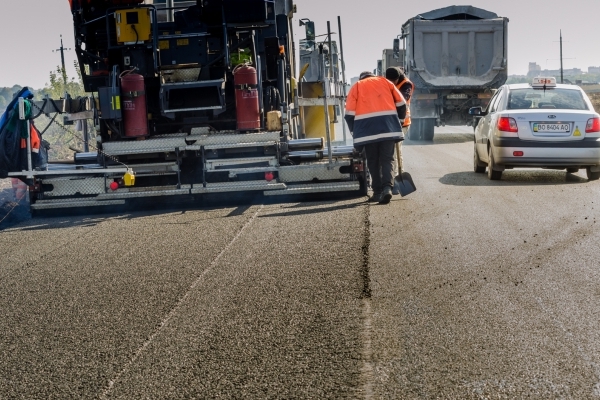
[(492, 174), (428, 129), (271, 99), (592, 176), (572, 170), (478, 166)]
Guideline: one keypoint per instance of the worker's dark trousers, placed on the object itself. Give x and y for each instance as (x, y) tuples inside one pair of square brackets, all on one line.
[(380, 159)]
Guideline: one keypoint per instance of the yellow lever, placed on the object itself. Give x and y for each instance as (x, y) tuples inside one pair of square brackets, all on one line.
[(129, 178)]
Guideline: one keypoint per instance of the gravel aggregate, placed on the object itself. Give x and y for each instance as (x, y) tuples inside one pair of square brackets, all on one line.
[(466, 289), (278, 315), (253, 302), (483, 289)]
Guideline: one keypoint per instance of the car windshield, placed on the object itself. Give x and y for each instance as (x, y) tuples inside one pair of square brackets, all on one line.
[(529, 98)]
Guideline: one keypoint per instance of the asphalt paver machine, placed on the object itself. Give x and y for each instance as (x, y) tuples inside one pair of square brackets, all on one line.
[(191, 98)]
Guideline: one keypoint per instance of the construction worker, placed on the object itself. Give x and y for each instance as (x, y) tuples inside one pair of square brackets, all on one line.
[(406, 87), (375, 110)]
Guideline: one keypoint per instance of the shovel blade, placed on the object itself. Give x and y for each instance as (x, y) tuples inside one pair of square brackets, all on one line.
[(404, 184)]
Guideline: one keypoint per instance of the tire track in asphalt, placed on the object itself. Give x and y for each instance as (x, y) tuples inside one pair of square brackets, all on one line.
[(107, 391)]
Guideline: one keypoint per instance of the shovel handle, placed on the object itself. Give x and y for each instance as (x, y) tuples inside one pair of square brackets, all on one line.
[(398, 157)]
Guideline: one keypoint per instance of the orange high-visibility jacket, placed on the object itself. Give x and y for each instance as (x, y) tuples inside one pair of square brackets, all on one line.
[(407, 94), (374, 109)]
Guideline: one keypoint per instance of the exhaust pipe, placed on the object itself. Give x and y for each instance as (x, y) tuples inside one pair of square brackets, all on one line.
[(305, 144), (341, 151)]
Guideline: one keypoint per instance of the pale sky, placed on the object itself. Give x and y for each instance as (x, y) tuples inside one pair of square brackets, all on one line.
[(31, 29)]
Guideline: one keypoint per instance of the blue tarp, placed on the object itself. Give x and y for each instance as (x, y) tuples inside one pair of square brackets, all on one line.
[(11, 157), (26, 94)]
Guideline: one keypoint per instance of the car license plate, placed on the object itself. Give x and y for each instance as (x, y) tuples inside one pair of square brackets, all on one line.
[(551, 128), (457, 96)]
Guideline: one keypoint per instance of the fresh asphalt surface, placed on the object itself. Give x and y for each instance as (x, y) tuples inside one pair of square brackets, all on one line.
[(466, 289)]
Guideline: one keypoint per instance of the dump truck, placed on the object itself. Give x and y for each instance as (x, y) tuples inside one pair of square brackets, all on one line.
[(193, 98), (389, 59), (456, 56)]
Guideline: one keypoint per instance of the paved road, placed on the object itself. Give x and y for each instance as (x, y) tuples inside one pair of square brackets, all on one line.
[(466, 289)]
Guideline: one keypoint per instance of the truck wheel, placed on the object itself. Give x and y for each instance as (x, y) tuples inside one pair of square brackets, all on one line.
[(414, 132), (427, 129), (492, 174)]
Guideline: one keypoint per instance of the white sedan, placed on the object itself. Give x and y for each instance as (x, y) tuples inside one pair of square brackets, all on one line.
[(539, 125)]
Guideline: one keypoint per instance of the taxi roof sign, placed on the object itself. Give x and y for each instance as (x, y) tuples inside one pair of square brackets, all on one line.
[(541, 82)]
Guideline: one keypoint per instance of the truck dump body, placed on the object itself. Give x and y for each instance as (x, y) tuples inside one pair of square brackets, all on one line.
[(454, 56), (456, 47)]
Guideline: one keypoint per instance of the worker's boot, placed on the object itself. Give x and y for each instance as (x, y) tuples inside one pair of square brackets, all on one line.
[(376, 198), (386, 196)]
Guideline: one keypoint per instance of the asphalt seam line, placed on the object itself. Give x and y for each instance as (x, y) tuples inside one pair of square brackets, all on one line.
[(367, 370), (171, 314)]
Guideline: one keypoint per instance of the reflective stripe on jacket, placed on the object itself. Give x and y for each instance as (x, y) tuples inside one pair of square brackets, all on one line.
[(373, 111), (408, 98)]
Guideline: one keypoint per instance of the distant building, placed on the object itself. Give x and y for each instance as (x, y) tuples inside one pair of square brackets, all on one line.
[(554, 72), (593, 70), (581, 82), (533, 66)]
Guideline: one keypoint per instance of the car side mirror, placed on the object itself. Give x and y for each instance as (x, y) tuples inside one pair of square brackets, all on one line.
[(309, 28), (476, 111)]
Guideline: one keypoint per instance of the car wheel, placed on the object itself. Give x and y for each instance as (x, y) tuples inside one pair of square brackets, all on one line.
[(478, 166), (492, 174), (591, 175)]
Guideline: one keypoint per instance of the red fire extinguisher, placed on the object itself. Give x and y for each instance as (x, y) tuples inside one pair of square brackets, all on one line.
[(133, 95), (245, 81)]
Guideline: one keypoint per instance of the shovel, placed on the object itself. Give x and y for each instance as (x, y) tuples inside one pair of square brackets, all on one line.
[(403, 182)]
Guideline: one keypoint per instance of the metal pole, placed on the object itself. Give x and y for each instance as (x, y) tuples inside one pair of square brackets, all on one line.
[(22, 118), (225, 40), (325, 94), (343, 102), (561, 58), (327, 127), (331, 67), (86, 138), (62, 57), (170, 11), (329, 71)]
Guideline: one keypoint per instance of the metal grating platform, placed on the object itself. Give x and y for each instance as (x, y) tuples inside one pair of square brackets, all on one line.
[(317, 188)]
